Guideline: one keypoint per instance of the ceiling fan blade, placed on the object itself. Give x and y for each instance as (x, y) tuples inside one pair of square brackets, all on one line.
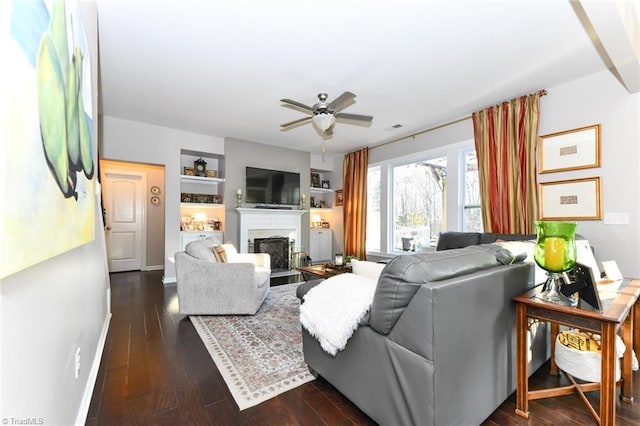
[(356, 117), (294, 122), (297, 104), (342, 101), (297, 108)]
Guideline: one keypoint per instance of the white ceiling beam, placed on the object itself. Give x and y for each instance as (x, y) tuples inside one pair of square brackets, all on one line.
[(614, 29)]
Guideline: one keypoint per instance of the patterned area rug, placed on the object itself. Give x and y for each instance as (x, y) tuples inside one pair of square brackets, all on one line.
[(258, 356)]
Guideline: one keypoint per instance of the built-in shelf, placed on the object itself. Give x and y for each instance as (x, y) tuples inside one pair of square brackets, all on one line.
[(201, 179), (320, 190), (214, 205), (326, 209)]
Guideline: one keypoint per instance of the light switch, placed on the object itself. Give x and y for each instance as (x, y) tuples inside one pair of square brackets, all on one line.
[(616, 218)]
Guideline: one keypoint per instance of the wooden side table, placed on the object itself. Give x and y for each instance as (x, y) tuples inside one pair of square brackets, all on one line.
[(623, 311)]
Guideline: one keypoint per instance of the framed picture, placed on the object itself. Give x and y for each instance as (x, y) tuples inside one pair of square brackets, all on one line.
[(569, 150), (315, 180), (577, 199), (325, 184), (188, 171), (339, 198), (212, 173)]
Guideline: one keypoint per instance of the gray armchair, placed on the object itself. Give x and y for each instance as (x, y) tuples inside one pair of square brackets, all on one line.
[(208, 287)]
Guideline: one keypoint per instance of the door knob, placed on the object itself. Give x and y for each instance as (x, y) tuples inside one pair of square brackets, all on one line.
[(108, 228)]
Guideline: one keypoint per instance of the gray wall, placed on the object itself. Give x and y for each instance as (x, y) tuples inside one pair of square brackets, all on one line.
[(238, 155), (598, 98), (50, 310)]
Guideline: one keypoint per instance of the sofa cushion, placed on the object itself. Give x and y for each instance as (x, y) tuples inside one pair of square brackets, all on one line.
[(367, 269), (488, 237), (452, 240), (201, 249), (404, 275)]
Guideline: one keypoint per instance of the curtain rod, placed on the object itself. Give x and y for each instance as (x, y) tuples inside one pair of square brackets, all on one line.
[(542, 92)]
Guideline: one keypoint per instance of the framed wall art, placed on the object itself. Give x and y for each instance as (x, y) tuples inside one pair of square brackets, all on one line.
[(315, 180), (577, 199), (339, 198), (569, 150)]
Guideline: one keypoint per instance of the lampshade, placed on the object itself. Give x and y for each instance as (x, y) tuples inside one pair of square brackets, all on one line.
[(323, 121), (200, 217)]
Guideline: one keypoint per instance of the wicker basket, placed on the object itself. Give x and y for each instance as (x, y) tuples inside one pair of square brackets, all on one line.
[(585, 365)]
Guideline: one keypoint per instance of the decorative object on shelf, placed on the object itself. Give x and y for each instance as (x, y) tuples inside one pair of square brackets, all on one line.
[(315, 180), (316, 221), (325, 224), (323, 204), (312, 201), (338, 259), (188, 171), (555, 252), (200, 219), (577, 199), (155, 200), (200, 167), (570, 150), (212, 173), (339, 198), (155, 190), (303, 198), (326, 184), (186, 223), (239, 197), (216, 199)]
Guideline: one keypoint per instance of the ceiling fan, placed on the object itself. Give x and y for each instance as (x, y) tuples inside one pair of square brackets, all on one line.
[(324, 114)]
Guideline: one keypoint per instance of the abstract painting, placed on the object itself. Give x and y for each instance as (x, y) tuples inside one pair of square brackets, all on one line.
[(48, 163)]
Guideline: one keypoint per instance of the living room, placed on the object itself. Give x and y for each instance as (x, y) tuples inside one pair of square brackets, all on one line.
[(40, 339)]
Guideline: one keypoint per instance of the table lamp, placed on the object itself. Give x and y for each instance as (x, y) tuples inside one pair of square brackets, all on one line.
[(555, 252), (200, 219)]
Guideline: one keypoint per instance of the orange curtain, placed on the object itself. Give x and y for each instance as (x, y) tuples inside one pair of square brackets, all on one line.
[(505, 139), (354, 174)]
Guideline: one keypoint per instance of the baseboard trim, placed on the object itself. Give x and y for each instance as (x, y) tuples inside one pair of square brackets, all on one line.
[(85, 404), (154, 267), (168, 280)]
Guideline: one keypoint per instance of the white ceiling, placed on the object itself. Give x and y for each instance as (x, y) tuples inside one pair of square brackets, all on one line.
[(220, 68)]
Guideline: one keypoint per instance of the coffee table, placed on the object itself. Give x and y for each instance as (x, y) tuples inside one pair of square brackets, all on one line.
[(322, 271)]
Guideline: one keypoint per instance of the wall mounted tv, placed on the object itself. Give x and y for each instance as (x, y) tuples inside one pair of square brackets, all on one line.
[(272, 187)]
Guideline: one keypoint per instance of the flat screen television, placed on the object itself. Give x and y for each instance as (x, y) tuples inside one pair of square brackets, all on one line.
[(272, 187)]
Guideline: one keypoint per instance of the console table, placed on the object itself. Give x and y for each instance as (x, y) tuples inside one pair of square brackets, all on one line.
[(623, 311)]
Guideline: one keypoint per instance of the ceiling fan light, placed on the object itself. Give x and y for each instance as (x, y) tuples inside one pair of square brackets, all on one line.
[(323, 121)]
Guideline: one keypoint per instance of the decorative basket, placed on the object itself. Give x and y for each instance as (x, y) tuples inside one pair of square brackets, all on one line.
[(585, 365)]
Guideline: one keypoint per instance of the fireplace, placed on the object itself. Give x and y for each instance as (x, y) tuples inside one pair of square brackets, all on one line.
[(278, 248)]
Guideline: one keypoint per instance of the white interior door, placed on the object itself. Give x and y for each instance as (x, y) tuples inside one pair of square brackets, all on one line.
[(124, 219)]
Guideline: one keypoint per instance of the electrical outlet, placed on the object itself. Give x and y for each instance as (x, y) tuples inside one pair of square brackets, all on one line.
[(616, 218), (78, 363)]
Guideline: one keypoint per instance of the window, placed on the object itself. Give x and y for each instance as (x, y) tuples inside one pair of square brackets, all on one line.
[(411, 200), (373, 208), (471, 214), (418, 203)]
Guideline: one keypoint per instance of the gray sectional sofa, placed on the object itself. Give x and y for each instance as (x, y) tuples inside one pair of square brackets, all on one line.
[(438, 347)]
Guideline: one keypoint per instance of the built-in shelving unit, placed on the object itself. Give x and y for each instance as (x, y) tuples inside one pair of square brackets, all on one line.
[(208, 189)]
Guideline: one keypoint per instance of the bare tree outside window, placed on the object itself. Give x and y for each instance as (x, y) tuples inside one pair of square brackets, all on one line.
[(419, 205), (472, 216), (373, 208)]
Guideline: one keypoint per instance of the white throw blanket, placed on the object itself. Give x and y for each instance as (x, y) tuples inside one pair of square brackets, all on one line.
[(332, 310)]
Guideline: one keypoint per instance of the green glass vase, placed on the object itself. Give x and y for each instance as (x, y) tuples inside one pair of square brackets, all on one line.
[(555, 252)]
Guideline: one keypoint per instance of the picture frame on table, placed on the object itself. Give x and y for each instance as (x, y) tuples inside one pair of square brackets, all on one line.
[(339, 198), (576, 199), (188, 171), (569, 150), (326, 184), (315, 180)]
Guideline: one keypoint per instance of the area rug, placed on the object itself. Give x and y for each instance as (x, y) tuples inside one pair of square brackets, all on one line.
[(259, 356)]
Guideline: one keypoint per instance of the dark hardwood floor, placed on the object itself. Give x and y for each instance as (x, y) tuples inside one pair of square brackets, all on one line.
[(155, 370)]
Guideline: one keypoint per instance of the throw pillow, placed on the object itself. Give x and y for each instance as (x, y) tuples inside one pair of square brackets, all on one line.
[(367, 269), (220, 254)]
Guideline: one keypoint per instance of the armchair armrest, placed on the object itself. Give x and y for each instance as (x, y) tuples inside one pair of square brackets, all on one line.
[(259, 259)]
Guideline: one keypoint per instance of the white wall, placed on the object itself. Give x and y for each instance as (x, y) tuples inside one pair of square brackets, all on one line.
[(50, 310), (126, 140), (598, 98)]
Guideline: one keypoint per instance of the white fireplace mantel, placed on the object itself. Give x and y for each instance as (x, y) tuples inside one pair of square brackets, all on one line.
[(264, 219)]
